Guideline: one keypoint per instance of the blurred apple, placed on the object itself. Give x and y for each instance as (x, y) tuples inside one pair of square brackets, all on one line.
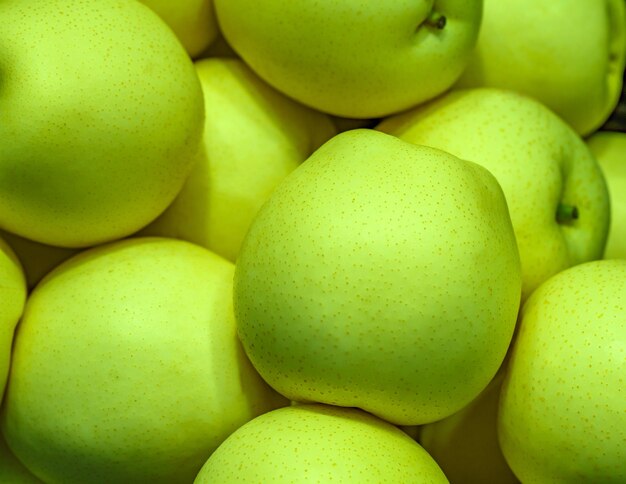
[(12, 471), (562, 409), (356, 58), (319, 443), (253, 138), (101, 118), (380, 275), (609, 148), (127, 367), (568, 55), (556, 194)]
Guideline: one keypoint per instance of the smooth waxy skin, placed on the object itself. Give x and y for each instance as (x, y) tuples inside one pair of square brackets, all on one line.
[(101, 119), (539, 161), (562, 410), (12, 299), (353, 58), (12, 471), (193, 22), (609, 148), (380, 275), (319, 443), (127, 368), (571, 58), (253, 138)]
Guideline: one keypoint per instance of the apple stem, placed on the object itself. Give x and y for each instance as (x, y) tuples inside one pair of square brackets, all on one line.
[(435, 19), (566, 213)]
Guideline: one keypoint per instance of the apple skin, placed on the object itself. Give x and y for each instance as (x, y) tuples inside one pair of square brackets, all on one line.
[(539, 161), (355, 58), (101, 119), (609, 148), (380, 275), (12, 471), (13, 294), (127, 367), (562, 417), (193, 22), (569, 58), (319, 443), (253, 138)]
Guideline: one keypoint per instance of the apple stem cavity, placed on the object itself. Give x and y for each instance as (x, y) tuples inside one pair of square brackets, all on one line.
[(435, 19), (566, 213)]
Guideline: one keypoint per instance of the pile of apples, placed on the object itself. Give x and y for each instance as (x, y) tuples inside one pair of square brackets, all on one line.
[(312, 241)]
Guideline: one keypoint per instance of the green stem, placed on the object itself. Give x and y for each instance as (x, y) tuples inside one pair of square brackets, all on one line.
[(435, 19), (566, 213)]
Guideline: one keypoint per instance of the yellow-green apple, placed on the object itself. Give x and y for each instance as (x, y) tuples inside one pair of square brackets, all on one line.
[(12, 298), (568, 55), (609, 148), (127, 368), (101, 118), (12, 471), (355, 58), (562, 415), (380, 275), (465, 445), (319, 443), (556, 194), (193, 22), (37, 259), (253, 137)]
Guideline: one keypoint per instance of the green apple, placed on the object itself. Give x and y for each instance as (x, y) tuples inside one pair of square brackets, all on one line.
[(12, 298), (465, 445), (556, 194), (36, 259), (562, 415), (101, 118), (253, 138), (193, 22), (568, 55), (380, 275), (319, 443), (609, 148), (127, 367), (12, 471), (355, 58)]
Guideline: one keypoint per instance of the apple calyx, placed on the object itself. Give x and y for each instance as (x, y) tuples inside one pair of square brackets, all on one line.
[(435, 19), (566, 213)]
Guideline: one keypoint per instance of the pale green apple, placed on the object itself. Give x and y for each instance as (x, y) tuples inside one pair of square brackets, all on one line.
[(556, 194), (12, 298), (354, 58), (569, 55), (380, 275), (193, 22), (12, 471), (127, 367), (562, 415), (100, 119), (37, 259), (465, 445), (253, 138), (609, 148), (319, 443)]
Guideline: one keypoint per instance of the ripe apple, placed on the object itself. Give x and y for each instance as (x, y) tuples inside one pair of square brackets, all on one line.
[(556, 194), (12, 298), (101, 118), (127, 367), (356, 58), (12, 471), (193, 22), (253, 138), (319, 443), (562, 409), (609, 148), (568, 55), (380, 275)]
